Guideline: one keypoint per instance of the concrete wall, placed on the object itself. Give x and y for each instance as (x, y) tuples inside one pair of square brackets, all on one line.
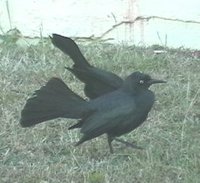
[(174, 23)]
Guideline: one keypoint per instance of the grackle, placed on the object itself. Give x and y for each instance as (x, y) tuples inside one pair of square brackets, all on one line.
[(97, 81), (114, 114)]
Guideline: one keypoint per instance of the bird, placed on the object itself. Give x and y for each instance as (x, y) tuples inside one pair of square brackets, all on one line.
[(97, 81), (115, 113)]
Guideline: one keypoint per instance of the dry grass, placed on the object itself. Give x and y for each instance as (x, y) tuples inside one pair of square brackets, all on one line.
[(46, 153)]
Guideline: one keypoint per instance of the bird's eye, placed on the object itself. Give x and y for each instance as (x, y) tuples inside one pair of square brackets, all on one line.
[(141, 81)]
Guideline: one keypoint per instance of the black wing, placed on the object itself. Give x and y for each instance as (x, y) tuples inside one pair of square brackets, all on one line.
[(97, 81)]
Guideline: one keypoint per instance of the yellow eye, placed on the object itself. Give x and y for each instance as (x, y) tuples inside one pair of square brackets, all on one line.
[(141, 82)]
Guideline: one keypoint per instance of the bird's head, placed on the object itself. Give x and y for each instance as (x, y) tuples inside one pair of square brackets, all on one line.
[(139, 81)]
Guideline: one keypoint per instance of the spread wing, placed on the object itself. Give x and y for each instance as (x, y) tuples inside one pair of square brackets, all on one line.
[(97, 81)]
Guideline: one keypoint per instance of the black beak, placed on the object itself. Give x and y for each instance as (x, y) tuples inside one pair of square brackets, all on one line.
[(154, 81)]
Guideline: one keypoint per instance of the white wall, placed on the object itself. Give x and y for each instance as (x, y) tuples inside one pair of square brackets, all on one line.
[(155, 21)]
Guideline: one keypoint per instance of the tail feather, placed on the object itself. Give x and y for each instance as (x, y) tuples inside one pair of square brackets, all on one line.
[(69, 47), (51, 101)]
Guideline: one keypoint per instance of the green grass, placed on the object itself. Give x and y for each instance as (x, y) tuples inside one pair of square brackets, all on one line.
[(45, 153)]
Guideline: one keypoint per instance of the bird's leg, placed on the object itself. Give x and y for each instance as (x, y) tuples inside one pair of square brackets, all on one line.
[(127, 143), (110, 139)]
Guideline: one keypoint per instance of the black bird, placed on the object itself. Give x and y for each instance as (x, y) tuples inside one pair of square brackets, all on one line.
[(97, 81), (115, 113)]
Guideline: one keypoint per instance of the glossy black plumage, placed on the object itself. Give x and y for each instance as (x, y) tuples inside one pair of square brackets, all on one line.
[(114, 114)]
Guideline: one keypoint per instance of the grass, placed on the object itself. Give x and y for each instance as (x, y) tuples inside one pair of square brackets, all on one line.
[(46, 154)]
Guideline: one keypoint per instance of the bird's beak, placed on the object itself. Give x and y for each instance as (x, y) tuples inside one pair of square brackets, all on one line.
[(154, 81)]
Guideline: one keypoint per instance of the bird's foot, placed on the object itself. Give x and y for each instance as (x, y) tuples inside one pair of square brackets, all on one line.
[(128, 144)]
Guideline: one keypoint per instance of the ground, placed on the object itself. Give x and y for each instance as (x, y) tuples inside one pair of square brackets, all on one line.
[(46, 153)]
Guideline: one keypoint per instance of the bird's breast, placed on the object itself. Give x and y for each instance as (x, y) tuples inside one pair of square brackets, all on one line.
[(145, 100)]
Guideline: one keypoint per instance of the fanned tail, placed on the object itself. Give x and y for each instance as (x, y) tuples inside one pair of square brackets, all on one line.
[(51, 101)]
